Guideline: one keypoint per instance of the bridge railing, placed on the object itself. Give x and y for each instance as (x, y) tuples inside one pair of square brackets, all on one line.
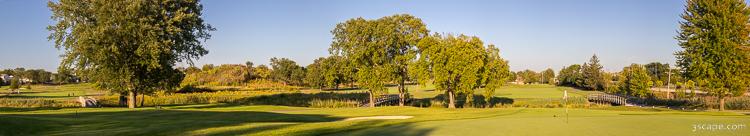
[(608, 98)]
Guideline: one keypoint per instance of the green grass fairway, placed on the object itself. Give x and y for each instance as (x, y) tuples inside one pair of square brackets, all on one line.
[(280, 120), (222, 119)]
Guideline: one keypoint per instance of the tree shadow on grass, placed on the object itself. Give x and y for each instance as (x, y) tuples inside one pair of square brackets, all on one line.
[(145, 122), (372, 128), (461, 101), (17, 109)]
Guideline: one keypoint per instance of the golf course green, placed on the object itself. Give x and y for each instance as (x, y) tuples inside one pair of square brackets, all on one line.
[(226, 119)]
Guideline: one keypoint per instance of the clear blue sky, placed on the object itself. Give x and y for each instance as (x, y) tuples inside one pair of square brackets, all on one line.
[(531, 34)]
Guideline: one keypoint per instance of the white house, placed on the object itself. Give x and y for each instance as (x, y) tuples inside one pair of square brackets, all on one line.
[(5, 78)]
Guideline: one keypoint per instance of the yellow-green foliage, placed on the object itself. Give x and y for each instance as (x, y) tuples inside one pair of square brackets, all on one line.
[(227, 74), (269, 85)]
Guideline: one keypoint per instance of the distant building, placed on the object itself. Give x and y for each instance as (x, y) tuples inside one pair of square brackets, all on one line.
[(5, 78)]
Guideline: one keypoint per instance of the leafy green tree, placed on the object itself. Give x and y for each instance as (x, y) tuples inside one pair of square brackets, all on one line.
[(592, 74), (455, 62), (548, 76), (636, 80), (337, 70), (38, 75), (570, 76), (690, 85), (298, 75), (287, 71), (315, 74), (496, 73), (128, 46), (610, 82), (14, 83), (63, 76), (381, 49), (529, 76), (658, 72), (262, 72), (714, 37)]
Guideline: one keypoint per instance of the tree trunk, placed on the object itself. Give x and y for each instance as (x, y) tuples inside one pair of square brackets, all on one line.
[(123, 100), (469, 101), (721, 104), (143, 99), (451, 100), (131, 99), (372, 99), (401, 91)]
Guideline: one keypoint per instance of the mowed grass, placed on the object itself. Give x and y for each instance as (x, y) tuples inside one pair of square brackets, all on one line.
[(224, 119), (280, 120), (67, 91)]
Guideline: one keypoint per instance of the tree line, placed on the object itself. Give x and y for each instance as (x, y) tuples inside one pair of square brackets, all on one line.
[(401, 52), (131, 47), (35, 76)]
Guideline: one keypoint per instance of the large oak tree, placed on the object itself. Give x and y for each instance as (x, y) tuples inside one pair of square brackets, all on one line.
[(381, 49), (456, 64), (128, 46)]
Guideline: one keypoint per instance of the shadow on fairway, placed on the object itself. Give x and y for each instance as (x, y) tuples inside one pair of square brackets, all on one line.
[(16, 109), (146, 122), (365, 128), (461, 101)]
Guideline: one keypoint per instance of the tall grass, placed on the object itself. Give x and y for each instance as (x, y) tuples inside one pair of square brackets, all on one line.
[(186, 98), (331, 103), (302, 99), (37, 102), (708, 102), (578, 102)]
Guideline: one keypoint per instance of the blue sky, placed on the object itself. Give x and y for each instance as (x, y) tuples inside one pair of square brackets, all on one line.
[(531, 34)]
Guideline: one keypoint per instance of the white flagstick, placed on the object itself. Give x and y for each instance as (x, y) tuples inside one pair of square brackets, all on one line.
[(565, 102)]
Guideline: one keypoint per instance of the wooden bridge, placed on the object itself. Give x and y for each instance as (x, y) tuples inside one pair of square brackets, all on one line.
[(608, 98), (389, 99)]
